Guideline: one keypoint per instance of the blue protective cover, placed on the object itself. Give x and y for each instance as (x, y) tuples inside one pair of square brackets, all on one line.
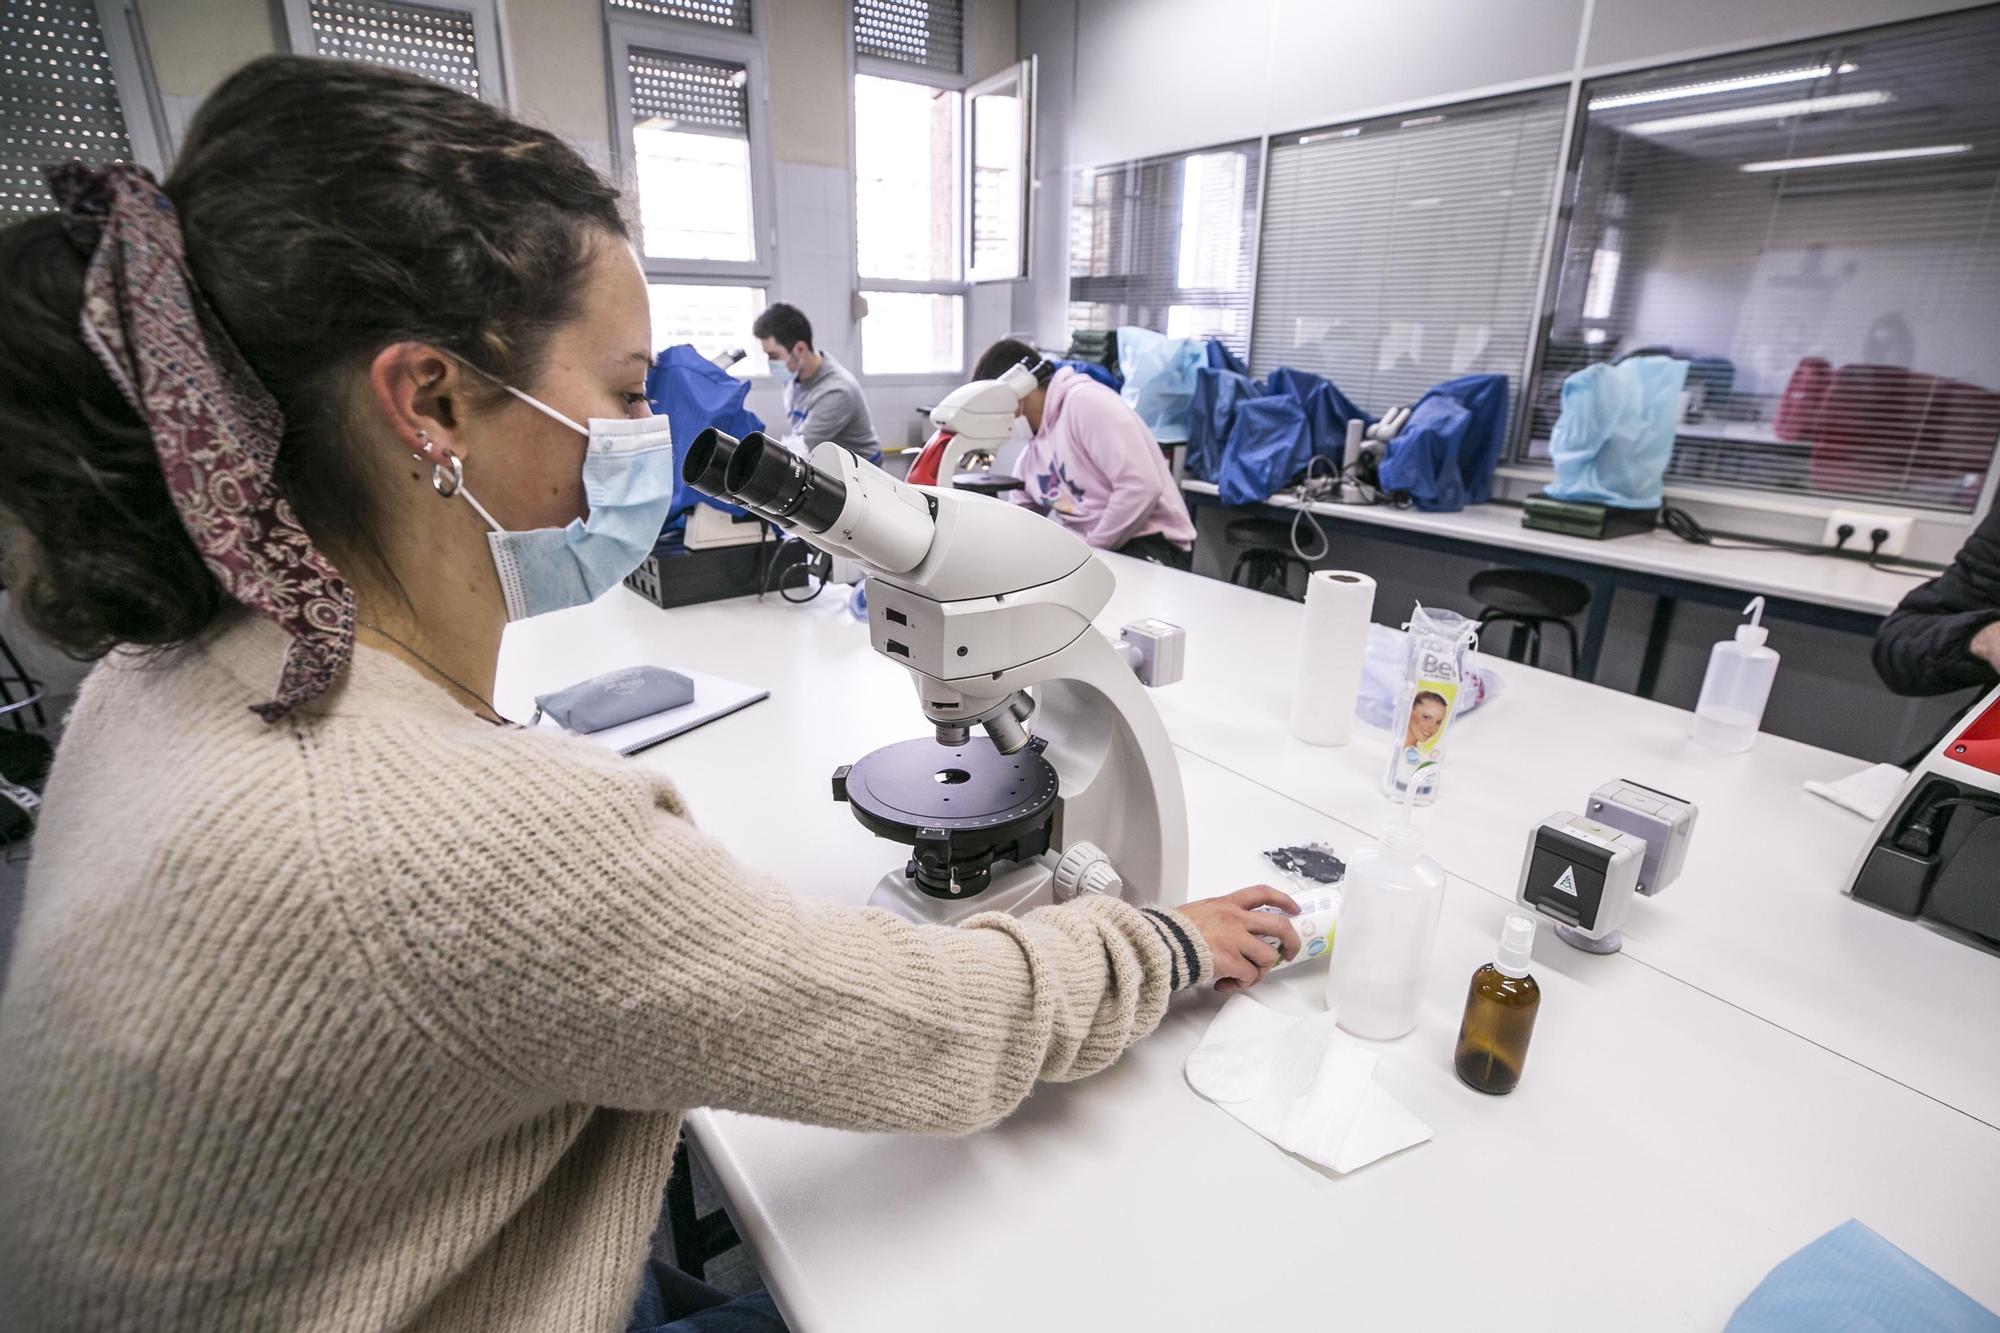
[(693, 393), (1159, 379), (1444, 455), (1220, 357), (1270, 442), (1852, 1281), (1252, 439), (1615, 435), (1212, 411), (1104, 375)]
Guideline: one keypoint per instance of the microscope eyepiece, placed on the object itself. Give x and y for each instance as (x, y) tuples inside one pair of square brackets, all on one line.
[(707, 460), (771, 480)]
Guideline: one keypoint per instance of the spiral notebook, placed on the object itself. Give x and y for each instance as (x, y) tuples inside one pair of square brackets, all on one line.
[(714, 697)]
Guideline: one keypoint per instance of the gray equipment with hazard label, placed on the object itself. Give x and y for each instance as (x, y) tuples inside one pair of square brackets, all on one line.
[(1584, 872)]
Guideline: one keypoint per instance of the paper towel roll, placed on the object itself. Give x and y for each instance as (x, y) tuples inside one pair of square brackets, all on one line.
[(1332, 640)]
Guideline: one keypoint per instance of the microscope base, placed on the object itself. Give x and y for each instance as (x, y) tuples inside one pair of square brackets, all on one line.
[(1017, 889)]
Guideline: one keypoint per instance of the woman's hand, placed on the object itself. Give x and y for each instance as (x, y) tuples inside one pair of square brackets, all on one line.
[(1232, 927)]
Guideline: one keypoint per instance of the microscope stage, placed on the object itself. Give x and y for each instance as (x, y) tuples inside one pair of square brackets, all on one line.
[(961, 806)]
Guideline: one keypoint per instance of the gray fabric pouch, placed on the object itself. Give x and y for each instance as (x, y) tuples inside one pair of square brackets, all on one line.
[(614, 697)]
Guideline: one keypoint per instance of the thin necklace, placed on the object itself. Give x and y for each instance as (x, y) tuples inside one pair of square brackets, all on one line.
[(496, 719)]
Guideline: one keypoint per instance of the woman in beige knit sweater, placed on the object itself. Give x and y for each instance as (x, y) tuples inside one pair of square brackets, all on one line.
[(335, 1004)]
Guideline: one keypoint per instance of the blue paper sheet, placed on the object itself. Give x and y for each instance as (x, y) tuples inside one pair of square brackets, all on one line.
[(1852, 1281)]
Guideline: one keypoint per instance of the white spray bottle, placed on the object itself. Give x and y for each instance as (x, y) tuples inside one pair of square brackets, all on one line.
[(1390, 902), (1737, 686)]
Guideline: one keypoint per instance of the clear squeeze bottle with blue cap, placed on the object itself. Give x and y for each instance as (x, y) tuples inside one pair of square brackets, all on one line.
[(1737, 686)]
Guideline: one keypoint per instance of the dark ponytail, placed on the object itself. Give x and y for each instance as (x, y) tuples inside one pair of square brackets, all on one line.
[(328, 209), (99, 557)]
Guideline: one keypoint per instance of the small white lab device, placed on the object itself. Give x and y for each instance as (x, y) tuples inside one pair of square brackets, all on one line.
[(1043, 736), (1584, 872), (709, 528)]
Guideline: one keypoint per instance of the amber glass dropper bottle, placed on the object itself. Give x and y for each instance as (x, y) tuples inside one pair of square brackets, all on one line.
[(1500, 1013)]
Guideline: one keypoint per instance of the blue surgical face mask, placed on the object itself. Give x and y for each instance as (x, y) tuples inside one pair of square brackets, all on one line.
[(628, 478), (782, 374)]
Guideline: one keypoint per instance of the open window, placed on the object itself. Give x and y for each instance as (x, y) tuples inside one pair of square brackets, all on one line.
[(999, 134)]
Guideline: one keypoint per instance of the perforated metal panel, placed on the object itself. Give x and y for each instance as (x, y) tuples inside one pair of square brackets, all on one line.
[(58, 100), (697, 96), (731, 14), (436, 43), (930, 33)]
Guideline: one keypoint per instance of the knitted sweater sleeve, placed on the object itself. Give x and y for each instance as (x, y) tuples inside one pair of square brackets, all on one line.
[(560, 925)]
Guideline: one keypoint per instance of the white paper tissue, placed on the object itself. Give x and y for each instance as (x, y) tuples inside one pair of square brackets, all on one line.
[(1867, 793), (1302, 1084)]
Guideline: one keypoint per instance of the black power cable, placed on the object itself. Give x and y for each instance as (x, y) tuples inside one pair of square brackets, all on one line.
[(1689, 529)]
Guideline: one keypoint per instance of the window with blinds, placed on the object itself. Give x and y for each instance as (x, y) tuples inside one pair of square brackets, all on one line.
[(438, 44), (691, 156), (1815, 230), (58, 100), (930, 33), (733, 15), (1167, 244), (1401, 252)]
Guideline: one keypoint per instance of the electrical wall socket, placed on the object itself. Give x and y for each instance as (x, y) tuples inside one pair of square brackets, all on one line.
[(1865, 525)]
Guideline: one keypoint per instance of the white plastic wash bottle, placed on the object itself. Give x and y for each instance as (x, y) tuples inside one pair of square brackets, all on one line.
[(1738, 684), (1389, 907)]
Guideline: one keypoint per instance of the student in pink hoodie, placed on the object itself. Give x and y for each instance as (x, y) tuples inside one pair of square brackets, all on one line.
[(1094, 467)]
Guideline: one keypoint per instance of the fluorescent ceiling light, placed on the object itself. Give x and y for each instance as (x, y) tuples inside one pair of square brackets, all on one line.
[(1849, 159), (1714, 86), (1743, 115)]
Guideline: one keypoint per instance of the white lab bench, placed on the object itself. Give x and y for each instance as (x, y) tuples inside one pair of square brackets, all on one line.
[(1842, 584), (1765, 1060), (1841, 594)]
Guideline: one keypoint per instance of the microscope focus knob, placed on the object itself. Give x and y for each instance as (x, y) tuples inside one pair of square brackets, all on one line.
[(1084, 868)]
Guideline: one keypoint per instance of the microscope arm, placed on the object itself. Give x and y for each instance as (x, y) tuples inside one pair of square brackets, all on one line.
[(1120, 777)]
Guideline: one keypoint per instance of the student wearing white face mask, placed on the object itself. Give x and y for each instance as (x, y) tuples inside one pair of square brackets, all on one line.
[(1090, 463), (335, 1001), (822, 401)]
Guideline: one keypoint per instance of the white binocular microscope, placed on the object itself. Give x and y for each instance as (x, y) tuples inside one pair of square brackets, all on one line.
[(1047, 771)]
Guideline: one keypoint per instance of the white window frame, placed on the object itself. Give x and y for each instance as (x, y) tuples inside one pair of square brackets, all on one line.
[(876, 67), (138, 94), (1023, 74), (625, 30), (485, 39)]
